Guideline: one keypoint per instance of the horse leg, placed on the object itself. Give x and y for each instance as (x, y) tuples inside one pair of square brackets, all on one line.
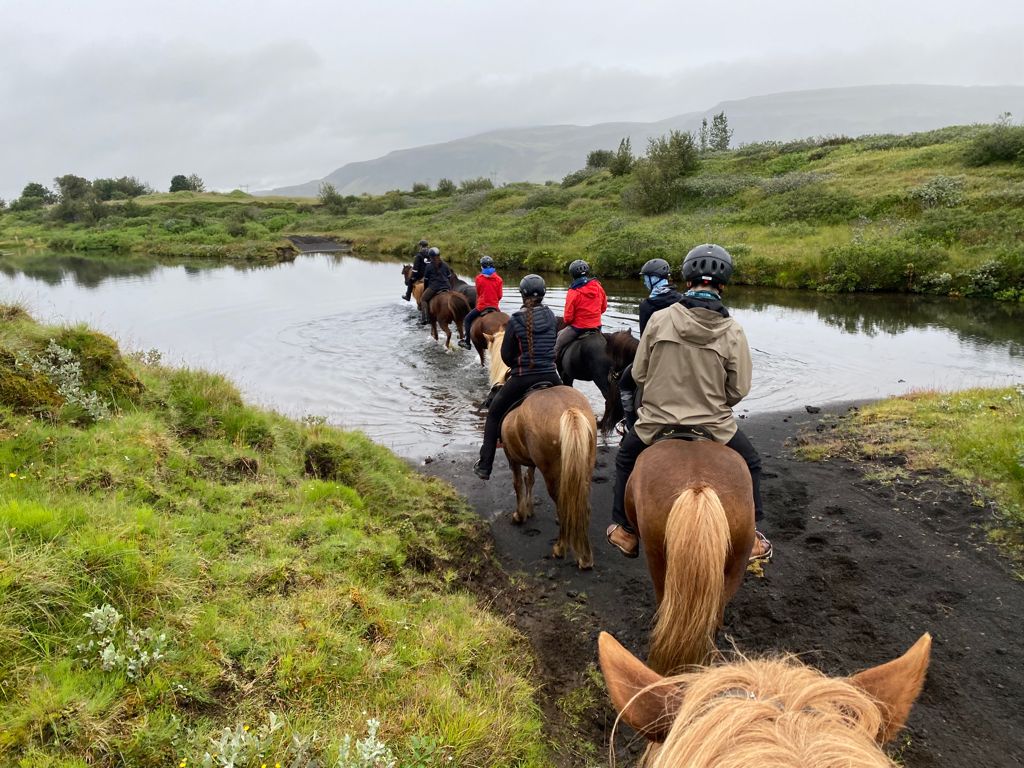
[(448, 335), (517, 483), (561, 545), (526, 508)]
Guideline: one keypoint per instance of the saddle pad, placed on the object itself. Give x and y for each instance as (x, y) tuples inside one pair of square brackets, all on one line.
[(680, 432), (535, 388)]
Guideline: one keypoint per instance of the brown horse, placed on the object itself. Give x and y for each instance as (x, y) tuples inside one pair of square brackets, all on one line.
[(417, 287), (554, 430), (693, 506), (485, 325), (445, 308), (773, 712)]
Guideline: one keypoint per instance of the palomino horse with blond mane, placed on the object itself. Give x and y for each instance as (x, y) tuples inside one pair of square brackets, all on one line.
[(553, 430), (775, 713), (417, 287), (692, 504)]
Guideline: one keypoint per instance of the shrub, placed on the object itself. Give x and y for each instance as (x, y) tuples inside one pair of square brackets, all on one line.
[(717, 186), (475, 185), (331, 200), (895, 265), (813, 202), (1002, 143), (578, 177), (623, 161), (944, 191), (420, 186), (600, 158), (548, 196), (659, 175), (446, 187), (787, 182)]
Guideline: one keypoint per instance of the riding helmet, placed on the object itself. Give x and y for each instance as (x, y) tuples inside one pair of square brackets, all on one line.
[(435, 251), (707, 263), (578, 269), (532, 286), (656, 268), (424, 243), (486, 261)]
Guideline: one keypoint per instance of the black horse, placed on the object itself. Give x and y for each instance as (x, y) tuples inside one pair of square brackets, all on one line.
[(467, 290), (588, 359)]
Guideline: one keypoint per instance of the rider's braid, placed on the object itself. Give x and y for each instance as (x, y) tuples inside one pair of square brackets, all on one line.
[(529, 305)]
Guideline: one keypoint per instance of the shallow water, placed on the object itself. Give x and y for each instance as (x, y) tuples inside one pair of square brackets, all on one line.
[(329, 335)]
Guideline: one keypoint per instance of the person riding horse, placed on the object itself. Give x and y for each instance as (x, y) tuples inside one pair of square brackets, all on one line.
[(694, 363), (656, 275), (437, 278), (489, 287), (585, 302), (417, 268), (529, 351)]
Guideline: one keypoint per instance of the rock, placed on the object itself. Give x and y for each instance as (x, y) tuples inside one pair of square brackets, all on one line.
[(812, 409)]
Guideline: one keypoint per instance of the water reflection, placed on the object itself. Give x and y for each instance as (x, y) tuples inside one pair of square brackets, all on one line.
[(329, 335)]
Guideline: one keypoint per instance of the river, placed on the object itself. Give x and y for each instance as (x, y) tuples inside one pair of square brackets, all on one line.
[(328, 335)]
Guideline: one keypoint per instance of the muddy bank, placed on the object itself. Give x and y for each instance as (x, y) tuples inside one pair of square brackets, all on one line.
[(860, 571)]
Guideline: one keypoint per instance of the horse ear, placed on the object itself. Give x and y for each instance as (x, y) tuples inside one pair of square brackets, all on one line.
[(648, 710), (895, 685)]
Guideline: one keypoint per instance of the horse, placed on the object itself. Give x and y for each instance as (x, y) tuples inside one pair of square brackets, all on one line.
[(447, 307), (486, 324), (553, 430), (587, 359), (467, 290), (692, 504), (771, 712), (417, 287)]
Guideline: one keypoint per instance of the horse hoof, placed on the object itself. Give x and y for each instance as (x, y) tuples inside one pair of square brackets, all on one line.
[(558, 552), (517, 518), (585, 566)]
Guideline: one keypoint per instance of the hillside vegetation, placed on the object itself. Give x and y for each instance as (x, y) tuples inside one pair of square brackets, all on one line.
[(185, 580), (940, 212)]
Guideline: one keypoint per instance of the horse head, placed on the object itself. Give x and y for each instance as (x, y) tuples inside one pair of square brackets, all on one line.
[(744, 712), (498, 371), (406, 270), (622, 346)]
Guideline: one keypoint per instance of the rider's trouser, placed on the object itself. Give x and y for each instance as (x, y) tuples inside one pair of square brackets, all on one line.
[(510, 393)]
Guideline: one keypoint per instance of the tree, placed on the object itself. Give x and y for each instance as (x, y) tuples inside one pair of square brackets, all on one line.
[(3, 204), (36, 190), (659, 174), (71, 188), (600, 158), (420, 186), (182, 183), (331, 199), (195, 183), (446, 187), (704, 135), (76, 200), (623, 160), (124, 188), (720, 134)]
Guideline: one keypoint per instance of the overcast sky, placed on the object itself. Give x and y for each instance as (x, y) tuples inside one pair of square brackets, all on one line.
[(265, 94)]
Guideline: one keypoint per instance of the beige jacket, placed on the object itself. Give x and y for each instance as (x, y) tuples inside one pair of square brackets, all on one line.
[(694, 365)]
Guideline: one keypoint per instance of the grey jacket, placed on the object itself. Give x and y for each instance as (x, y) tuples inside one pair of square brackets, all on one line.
[(694, 366)]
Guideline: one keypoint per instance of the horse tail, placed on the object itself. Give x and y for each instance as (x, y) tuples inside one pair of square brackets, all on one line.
[(697, 544), (578, 441)]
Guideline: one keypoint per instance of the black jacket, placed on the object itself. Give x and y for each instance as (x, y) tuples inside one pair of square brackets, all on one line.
[(515, 350), (418, 265), (652, 304), (437, 276)]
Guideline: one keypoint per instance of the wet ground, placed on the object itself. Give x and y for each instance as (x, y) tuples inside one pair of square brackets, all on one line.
[(861, 570)]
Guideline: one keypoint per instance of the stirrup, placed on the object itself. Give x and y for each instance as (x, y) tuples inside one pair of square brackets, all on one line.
[(620, 428)]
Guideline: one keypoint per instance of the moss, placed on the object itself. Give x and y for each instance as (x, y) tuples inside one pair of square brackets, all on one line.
[(328, 460), (103, 368), (26, 392)]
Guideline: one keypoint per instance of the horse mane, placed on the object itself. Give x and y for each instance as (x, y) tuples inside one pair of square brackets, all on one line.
[(498, 371), (773, 713), (622, 346)]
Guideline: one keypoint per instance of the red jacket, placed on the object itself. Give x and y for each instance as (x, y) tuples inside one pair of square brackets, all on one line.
[(488, 290), (585, 305)]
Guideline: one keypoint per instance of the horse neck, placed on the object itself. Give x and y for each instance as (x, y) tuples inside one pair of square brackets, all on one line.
[(498, 371)]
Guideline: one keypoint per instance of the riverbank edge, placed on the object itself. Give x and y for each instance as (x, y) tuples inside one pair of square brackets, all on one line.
[(233, 527)]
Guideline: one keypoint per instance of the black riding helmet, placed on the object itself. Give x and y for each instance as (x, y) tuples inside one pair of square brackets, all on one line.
[(532, 286), (708, 263), (656, 268), (435, 251), (486, 261), (578, 269), (424, 243)]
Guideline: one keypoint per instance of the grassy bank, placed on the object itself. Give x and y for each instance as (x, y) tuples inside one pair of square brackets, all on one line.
[(879, 213), (182, 575), (976, 435)]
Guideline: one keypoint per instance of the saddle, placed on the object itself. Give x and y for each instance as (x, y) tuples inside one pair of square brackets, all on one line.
[(535, 388), (487, 311), (681, 432)]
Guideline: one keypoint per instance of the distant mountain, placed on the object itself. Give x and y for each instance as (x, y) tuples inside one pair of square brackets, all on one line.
[(551, 151)]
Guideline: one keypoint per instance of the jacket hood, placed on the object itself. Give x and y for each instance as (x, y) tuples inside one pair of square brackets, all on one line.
[(701, 325)]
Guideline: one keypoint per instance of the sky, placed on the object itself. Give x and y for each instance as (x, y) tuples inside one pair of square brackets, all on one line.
[(262, 94)]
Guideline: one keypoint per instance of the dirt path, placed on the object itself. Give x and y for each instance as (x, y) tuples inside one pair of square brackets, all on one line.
[(861, 570)]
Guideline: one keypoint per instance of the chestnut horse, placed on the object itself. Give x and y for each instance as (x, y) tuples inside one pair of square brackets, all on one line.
[(692, 504), (772, 712), (417, 287), (488, 324), (445, 308), (554, 430)]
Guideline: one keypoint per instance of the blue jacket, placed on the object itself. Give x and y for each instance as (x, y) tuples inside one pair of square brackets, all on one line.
[(515, 351)]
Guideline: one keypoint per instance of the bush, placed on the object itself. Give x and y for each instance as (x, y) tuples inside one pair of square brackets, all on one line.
[(659, 175), (1001, 144), (419, 186), (331, 200), (578, 177), (895, 265), (813, 202), (547, 197), (787, 182), (944, 191), (600, 158), (717, 186), (475, 185), (446, 187), (623, 161)]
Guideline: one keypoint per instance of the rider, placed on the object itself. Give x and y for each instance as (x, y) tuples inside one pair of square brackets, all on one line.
[(529, 351), (585, 302), (437, 278), (656, 275), (489, 286), (417, 268), (695, 364)]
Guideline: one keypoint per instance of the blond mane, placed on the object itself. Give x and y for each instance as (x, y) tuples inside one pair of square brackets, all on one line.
[(498, 371), (775, 713)]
